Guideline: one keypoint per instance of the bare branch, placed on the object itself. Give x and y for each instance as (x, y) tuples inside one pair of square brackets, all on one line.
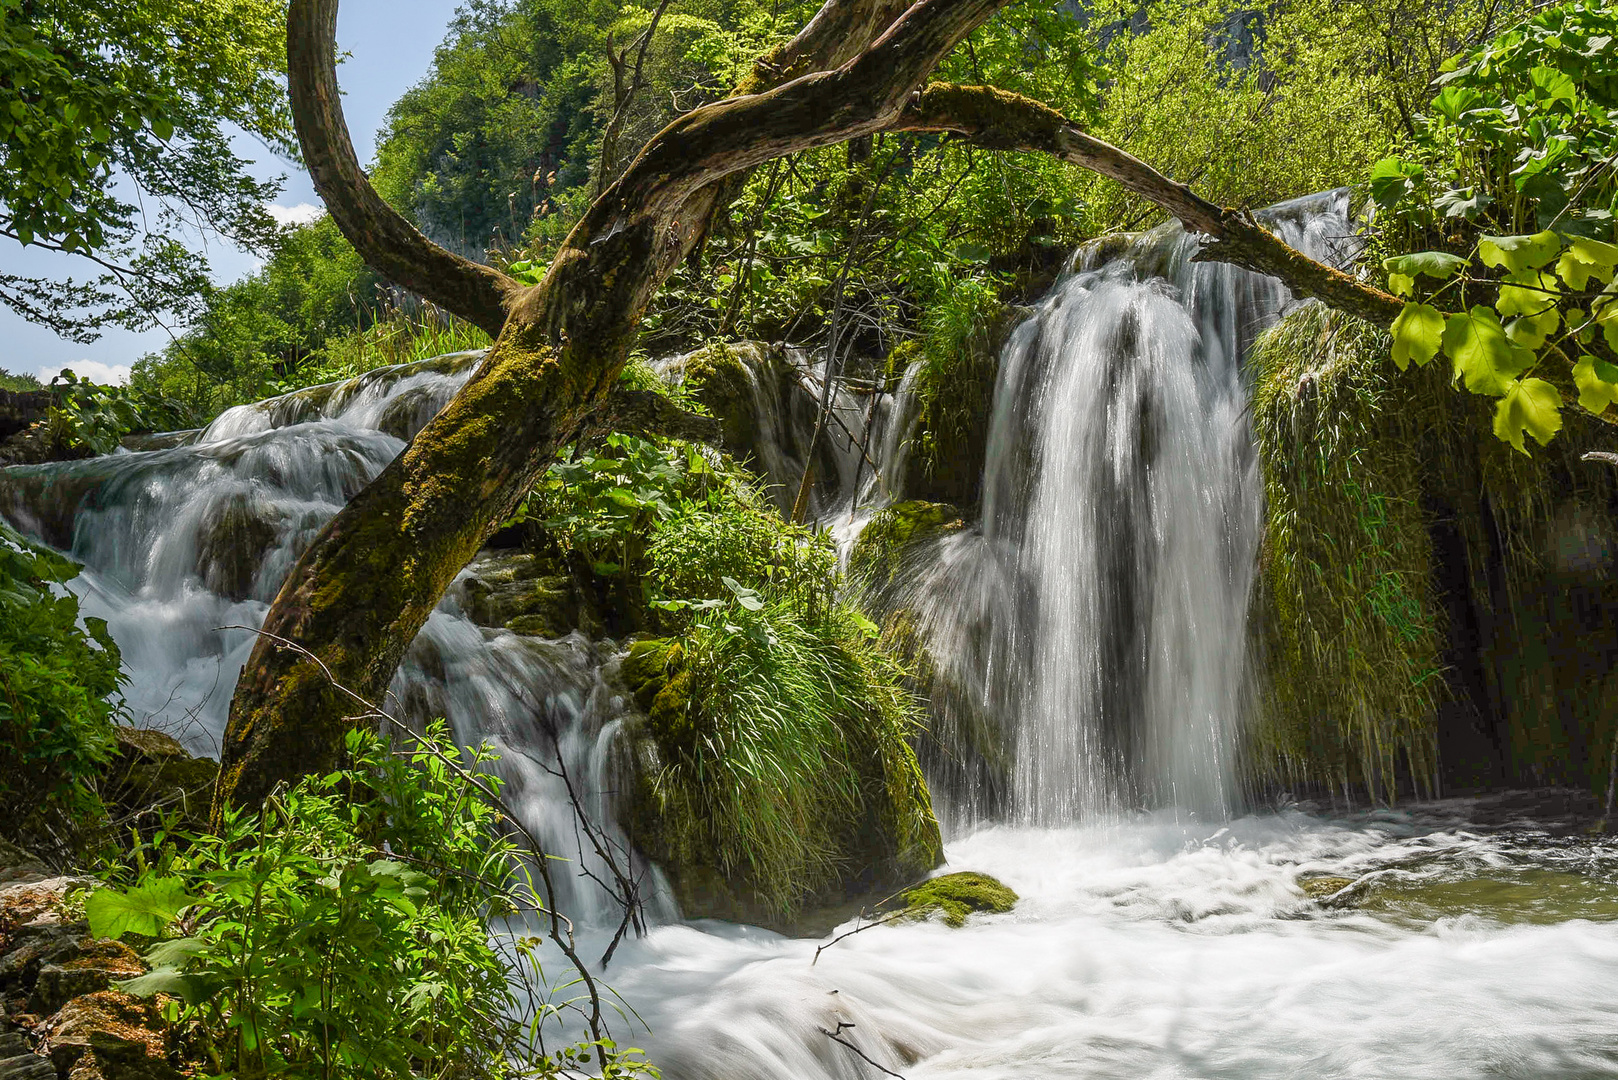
[(1000, 120), (480, 294)]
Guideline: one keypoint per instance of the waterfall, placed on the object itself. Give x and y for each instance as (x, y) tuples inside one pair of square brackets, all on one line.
[(1096, 612), (1099, 608), (184, 548)]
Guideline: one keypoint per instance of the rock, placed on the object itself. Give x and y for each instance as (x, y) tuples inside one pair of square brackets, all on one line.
[(27, 902), (878, 556), (20, 865), (954, 395), (96, 966), (1335, 892), (108, 1035), (231, 544), (27, 1066), (520, 593), (35, 944), (956, 896), (153, 772)]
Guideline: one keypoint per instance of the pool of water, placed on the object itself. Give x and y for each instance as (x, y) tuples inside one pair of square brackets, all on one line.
[(1157, 948)]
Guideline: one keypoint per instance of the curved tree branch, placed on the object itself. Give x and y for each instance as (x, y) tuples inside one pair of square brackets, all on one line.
[(390, 244), (1000, 120), (362, 590)]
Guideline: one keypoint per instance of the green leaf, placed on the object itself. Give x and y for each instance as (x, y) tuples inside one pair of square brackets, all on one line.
[(1527, 292), (1553, 84), (1481, 352), (1532, 406), (1520, 252), (1433, 264), (1417, 333), (1401, 284), (746, 597), (1586, 259), (1391, 178), (193, 989), (1597, 381), (145, 909)]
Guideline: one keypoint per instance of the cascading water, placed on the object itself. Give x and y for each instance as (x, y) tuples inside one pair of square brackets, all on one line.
[(184, 548), (1096, 614), (1099, 607)]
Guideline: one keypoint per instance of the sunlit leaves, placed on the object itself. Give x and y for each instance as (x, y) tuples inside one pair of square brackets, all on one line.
[(1597, 381), (1482, 354), (145, 910), (1519, 252), (1404, 269), (1531, 406), (1585, 259), (1417, 334)]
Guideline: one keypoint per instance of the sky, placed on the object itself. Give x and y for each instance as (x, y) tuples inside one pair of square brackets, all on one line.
[(391, 45)]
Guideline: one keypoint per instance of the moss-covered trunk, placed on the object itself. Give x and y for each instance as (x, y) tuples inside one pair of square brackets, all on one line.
[(357, 597)]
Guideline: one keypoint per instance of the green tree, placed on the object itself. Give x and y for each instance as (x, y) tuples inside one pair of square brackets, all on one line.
[(115, 123)]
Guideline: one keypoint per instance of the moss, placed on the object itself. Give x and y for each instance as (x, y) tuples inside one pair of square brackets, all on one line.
[(1353, 637), (1319, 888), (956, 896), (959, 362), (879, 552), (774, 776), (1434, 606), (718, 379)]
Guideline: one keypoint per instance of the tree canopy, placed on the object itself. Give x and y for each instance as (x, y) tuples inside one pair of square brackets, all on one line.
[(115, 137)]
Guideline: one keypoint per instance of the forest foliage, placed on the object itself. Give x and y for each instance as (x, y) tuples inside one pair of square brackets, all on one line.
[(1507, 194)]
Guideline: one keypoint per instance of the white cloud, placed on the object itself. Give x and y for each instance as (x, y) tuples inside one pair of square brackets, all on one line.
[(93, 370), (302, 214)]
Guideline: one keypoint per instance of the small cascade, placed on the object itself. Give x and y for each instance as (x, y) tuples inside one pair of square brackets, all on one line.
[(184, 549)]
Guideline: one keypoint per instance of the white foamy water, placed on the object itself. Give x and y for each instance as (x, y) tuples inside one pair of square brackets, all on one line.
[(1157, 950)]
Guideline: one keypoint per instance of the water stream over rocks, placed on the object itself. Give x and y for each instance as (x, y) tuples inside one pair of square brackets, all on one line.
[(1096, 612)]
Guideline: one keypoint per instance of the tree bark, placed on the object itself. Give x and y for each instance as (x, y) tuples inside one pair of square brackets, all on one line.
[(366, 585)]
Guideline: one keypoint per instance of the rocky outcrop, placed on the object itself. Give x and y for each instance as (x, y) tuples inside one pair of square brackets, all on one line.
[(889, 838), (61, 1017)]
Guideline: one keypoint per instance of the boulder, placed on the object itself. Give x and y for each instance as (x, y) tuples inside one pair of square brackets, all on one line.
[(108, 1035), (955, 896), (235, 535), (95, 966), (519, 592), (154, 774), (877, 559)]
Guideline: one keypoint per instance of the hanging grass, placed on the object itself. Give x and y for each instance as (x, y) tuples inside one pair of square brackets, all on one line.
[(785, 754), (1352, 638), (1390, 503)]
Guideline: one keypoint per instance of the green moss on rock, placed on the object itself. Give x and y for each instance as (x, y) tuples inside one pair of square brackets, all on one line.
[(959, 363), (879, 552), (956, 896), (720, 381), (772, 773)]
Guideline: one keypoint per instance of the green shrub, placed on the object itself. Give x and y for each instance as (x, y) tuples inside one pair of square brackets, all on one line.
[(344, 930), (669, 523), (58, 696), (782, 740)]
